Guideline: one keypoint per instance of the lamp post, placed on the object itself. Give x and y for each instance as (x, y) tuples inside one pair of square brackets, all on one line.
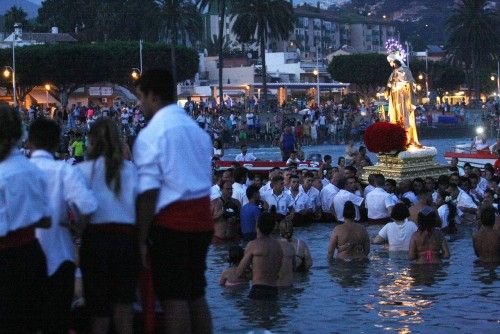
[(7, 73), (47, 89), (497, 77), (140, 55), (316, 73)]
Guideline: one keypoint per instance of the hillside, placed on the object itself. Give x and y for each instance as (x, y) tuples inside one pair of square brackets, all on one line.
[(29, 7)]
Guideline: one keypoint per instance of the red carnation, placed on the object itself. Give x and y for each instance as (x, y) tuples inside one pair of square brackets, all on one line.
[(385, 137)]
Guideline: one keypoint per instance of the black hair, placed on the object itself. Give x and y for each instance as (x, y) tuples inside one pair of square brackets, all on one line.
[(349, 210), (240, 175), (379, 180), (235, 254), (251, 191), (340, 159), (265, 223), (308, 174), (352, 169), (10, 130), (392, 182), (158, 82), (427, 219), (488, 216), (400, 212), (327, 157), (44, 134), (397, 63), (277, 178), (294, 176), (467, 164)]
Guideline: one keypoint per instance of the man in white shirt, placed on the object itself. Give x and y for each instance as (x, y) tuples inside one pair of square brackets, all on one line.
[(239, 186), (312, 193), (378, 202), (174, 162), (23, 207), (327, 195), (406, 192), (267, 188), (301, 203), (278, 200), (467, 209), (66, 189), (346, 193), (244, 156)]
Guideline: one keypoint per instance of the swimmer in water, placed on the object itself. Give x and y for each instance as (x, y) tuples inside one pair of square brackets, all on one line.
[(486, 241), (265, 256), (350, 238), (428, 245), (235, 255)]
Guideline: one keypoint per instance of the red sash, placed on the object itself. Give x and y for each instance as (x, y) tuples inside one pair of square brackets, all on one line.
[(17, 238), (187, 216)]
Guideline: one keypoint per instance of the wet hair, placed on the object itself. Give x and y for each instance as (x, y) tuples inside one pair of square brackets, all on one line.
[(10, 130), (488, 216), (453, 169), (106, 142), (240, 175), (265, 223), (235, 254), (427, 219), (251, 191), (158, 82), (327, 157), (397, 63), (286, 229), (400, 212), (349, 210), (406, 201), (44, 134)]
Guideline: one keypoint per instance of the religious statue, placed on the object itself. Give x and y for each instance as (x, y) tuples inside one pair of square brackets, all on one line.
[(400, 89)]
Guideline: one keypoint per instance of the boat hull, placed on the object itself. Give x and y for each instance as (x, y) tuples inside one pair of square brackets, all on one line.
[(476, 159)]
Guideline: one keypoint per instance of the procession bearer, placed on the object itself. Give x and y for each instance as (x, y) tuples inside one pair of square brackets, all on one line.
[(173, 156)]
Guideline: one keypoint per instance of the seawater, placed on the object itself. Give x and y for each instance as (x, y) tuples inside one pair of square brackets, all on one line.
[(384, 295)]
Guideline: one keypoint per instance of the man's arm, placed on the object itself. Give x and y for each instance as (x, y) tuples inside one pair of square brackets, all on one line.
[(244, 263), (333, 244), (145, 206)]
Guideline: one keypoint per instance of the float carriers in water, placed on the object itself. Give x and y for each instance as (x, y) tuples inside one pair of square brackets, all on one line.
[(266, 166)]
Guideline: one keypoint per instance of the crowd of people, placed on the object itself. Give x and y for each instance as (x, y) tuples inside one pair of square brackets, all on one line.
[(81, 206), (260, 211)]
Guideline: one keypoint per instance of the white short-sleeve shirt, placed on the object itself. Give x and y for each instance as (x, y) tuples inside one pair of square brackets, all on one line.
[(378, 202), (341, 198), (398, 235)]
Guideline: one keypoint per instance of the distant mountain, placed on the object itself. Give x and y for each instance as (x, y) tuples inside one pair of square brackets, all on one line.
[(29, 7)]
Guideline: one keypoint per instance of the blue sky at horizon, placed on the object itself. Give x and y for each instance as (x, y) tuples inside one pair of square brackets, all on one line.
[(312, 2)]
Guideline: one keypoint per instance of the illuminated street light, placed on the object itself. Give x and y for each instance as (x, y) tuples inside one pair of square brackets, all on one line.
[(420, 76), (492, 78), (47, 88), (136, 73), (6, 73), (419, 88), (315, 72), (384, 16)]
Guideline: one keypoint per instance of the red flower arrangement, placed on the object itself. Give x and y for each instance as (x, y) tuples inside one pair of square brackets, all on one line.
[(385, 137)]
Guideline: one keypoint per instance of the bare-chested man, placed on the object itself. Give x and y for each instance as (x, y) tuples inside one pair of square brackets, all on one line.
[(226, 215), (350, 238), (265, 255), (424, 199), (487, 240)]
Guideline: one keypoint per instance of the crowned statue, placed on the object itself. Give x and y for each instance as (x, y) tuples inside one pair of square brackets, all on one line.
[(400, 93)]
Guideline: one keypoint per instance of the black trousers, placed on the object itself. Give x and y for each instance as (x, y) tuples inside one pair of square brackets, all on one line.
[(59, 292), (23, 273)]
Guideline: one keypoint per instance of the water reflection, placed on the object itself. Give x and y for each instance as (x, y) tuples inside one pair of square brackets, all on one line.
[(427, 274), (485, 273), (349, 274)]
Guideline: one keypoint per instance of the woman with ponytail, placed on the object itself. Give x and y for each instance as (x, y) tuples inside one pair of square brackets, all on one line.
[(447, 212), (427, 245), (109, 257)]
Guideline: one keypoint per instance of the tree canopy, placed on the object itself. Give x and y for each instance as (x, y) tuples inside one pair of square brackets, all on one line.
[(67, 65), (14, 15)]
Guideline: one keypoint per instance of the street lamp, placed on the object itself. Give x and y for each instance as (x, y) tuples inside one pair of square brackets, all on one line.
[(136, 73), (316, 73), (47, 89), (7, 73), (420, 76)]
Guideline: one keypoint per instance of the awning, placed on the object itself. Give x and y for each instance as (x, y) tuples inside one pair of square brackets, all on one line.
[(41, 97)]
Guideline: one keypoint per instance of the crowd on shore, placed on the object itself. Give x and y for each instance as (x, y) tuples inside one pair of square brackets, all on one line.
[(82, 204)]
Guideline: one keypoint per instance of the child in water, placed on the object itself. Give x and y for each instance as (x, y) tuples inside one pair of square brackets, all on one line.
[(235, 255)]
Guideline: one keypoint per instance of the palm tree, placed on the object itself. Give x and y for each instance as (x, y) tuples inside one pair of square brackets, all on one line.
[(260, 20), (180, 18), (474, 37), (220, 6)]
